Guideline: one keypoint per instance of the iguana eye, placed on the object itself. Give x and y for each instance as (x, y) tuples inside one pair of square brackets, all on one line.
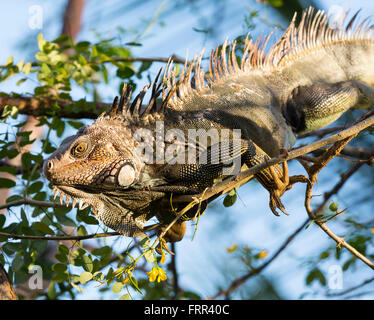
[(79, 149)]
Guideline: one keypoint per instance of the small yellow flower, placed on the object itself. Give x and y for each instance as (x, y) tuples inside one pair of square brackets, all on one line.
[(372, 230), (152, 274), (128, 276), (161, 275), (157, 273), (233, 248), (162, 258), (262, 254)]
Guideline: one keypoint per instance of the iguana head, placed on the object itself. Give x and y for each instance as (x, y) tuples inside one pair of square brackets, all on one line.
[(99, 157), (99, 166)]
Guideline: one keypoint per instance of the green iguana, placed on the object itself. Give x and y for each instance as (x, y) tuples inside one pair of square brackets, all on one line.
[(208, 127)]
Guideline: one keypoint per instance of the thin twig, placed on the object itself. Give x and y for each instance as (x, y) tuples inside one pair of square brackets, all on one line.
[(35, 203), (173, 58), (342, 293), (173, 267), (58, 238)]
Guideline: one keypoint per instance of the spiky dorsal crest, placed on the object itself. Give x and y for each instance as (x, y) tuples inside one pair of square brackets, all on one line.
[(314, 31), (123, 109)]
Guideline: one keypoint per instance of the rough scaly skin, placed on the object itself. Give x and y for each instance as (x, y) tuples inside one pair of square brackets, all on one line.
[(307, 80)]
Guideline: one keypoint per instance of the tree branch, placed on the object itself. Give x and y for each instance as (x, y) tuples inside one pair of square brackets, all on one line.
[(36, 203), (41, 107), (6, 288), (58, 238), (313, 172)]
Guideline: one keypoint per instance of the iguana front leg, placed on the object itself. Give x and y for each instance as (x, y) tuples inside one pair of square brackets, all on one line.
[(275, 178)]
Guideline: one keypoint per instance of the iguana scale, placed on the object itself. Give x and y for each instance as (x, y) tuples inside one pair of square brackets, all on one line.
[(306, 80)]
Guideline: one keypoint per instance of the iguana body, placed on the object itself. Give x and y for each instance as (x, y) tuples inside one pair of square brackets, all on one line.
[(308, 79)]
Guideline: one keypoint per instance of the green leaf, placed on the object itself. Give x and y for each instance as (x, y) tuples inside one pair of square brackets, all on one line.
[(81, 231), (11, 170), (12, 153), (324, 255), (66, 221), (59, 267), (20, 65), (98, 276), (27, 68), (45, 69), (42, 227), (103, 251), (17, 262), (39, 245), (58, 125), (87, 263), (63, 249), (76, 124), (144, 242), (230, 199), (82, 61), (20, 276), (145, 66), (11, 247), (35, 187), (134, 44), (21, 81), (94, 53), (41, 41), (348, 263), (191, 295), (117, 287), (61, 38), (315, 274), (11, 111), (61, 257), (125, 73), (86, 218), (275, 3), (6, 183), (61, 277), (13, 198), (149, 255), (2, 220), (83, 45), (85, 277), (76, 287), (125, 297), (134, 284), (9, 61)]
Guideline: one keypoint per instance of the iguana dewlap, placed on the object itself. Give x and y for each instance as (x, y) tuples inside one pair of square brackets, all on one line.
[(206, 128)]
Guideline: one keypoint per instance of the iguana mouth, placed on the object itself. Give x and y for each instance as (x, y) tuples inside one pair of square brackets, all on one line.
[(67, 194)]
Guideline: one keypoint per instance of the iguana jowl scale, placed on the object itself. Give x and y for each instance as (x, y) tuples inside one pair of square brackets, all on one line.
[(306, 80)]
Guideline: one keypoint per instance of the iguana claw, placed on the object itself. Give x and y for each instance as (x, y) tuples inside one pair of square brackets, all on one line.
[(282, 183)]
